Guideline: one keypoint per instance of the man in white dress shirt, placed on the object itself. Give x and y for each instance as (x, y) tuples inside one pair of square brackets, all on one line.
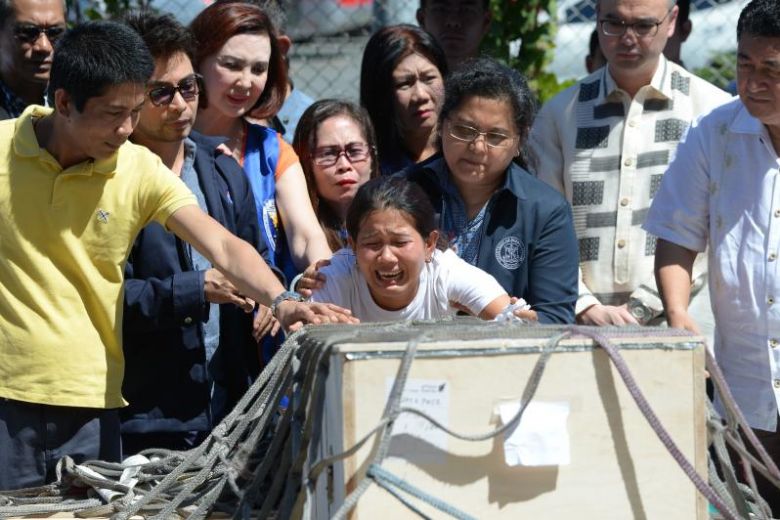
[(605, 143), (722, 191)]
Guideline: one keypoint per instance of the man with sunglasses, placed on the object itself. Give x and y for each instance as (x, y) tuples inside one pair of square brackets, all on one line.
[(605, 143), (187, 333), (28, 31)]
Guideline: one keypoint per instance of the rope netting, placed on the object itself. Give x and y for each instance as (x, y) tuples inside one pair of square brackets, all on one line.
[(261, 461)]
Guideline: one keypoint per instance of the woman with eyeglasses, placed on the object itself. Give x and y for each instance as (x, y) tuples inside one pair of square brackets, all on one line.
[(335, 142), (401, 87), (243, 70), (493, 213)]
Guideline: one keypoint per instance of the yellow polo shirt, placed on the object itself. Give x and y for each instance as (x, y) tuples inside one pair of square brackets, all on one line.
[(64, 239)]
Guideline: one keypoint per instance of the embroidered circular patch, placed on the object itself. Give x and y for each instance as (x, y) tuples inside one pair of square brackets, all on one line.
[(510, 252), (270, 223)]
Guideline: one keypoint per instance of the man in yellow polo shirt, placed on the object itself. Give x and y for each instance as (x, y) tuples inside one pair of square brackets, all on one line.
[(73, 195)]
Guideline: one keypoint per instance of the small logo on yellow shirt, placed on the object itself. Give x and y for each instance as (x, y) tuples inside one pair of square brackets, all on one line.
[(102, 216)]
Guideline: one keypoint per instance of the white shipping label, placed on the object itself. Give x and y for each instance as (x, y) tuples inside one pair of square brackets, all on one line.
[(541, 438), (431, 396)]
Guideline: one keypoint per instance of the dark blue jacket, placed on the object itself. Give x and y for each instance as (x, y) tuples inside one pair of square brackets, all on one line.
[(528, 242), (165, 375)]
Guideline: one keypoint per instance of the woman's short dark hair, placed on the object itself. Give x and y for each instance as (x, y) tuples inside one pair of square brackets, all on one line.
[(384, 51), (222, 20), (95, 56), (760, 18), (387, 193), (305, 142), (487, 78)]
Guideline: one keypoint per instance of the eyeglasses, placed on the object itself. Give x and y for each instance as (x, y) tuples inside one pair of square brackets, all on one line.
[(188, 87), (470, 134), (329, 155), (29, 32), (642, 28)]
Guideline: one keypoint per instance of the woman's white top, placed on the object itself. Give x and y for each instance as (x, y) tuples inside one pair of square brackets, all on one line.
[(446, 278)]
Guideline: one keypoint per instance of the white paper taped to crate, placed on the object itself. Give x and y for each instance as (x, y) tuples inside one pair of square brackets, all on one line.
[(541, 438), (431, 396)]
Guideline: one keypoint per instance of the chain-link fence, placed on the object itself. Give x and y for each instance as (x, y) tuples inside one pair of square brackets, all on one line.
[(329, 36)]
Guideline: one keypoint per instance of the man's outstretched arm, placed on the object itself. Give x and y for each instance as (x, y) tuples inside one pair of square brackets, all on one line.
[(246, 269)]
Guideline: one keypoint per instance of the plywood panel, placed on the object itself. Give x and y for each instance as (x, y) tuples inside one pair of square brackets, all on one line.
[(619, 469)]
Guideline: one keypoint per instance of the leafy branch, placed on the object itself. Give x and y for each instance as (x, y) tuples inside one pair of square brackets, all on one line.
[(522, 35)]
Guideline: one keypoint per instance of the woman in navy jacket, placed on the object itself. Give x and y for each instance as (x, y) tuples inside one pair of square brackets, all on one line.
[(494, 213)]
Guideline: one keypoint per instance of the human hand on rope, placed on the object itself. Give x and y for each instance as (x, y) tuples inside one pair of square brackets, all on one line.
[(264, 323), (218, 289), (311, 278), (680, 319), (601, 315), (292, 315), (527, 314), (524, 314)]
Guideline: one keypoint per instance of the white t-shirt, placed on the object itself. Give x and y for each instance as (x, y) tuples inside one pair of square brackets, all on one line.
[(444, 279)]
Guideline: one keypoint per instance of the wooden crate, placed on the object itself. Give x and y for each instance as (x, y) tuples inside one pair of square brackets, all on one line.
[(618, 468)]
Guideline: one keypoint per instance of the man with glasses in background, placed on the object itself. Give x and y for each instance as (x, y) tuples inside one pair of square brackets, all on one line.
[(187, 331), (29, 31), (605, 143)]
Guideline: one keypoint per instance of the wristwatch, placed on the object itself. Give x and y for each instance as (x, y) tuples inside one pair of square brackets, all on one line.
[(283, 297), (639, 310)]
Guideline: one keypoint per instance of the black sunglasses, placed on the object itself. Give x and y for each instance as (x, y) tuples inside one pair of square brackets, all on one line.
[(29, 32), (188, 87)]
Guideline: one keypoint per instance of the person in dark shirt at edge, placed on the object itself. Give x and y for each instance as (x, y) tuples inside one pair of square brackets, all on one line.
[(28, 31)]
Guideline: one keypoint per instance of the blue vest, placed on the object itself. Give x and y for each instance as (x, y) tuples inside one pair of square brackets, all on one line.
[(260, 159)]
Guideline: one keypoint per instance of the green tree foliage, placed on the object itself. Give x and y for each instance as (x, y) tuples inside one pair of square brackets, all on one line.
[(720, 70), (529, 25)]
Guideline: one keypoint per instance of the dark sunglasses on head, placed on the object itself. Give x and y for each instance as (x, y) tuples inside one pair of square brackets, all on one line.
[(29, 32), (188, 87)]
